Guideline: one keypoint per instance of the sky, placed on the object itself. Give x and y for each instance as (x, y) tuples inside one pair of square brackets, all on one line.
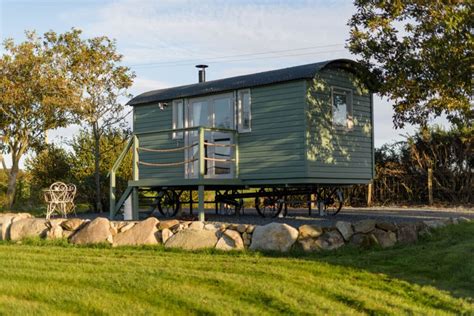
[(162, 40)]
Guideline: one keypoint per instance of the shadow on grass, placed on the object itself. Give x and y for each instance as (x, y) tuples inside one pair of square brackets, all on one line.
[(444, 260)]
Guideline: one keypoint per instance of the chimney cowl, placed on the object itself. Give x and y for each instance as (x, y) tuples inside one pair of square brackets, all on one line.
[(201, 73)]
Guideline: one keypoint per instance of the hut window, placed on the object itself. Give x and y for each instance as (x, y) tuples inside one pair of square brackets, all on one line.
[(342, 107), (244, 111), (178, 118)]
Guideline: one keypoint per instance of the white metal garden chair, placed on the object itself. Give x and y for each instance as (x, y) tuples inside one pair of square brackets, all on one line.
[(60, 199)]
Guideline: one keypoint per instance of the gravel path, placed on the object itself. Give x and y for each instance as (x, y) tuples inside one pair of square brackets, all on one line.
[(297, 217)]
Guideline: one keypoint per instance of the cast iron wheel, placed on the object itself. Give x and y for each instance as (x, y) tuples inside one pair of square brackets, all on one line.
[(268, 206), (169, 203), (333, 200)]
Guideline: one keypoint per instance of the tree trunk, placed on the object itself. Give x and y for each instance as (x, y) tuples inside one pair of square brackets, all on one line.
[(96, 134), (12, 176)]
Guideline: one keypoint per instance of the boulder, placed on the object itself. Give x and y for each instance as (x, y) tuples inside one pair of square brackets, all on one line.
[(67, 233), (361, 240), (247, 238), (211, 227), (242, 228), (250, 229), (125, 227), (309, 231), (172, 223), (345, 228), (196, 225), (274, 236), (309, 244), (165, 235), (384, 238), (143, 233), (406, 234), (364, 226), (27, 228), (73, 224), (387, 226), (230, 240), (192, 239), (433, 224), (236, 238), (95, 232), (330, 240), (55, 231), (5, 222)]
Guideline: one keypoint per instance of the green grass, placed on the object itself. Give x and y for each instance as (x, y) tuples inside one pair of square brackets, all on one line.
[(435, 276)]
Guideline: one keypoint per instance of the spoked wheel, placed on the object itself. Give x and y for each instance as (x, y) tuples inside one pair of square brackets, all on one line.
[(169, 203), (332, 199), (229, 206), (268, 206)]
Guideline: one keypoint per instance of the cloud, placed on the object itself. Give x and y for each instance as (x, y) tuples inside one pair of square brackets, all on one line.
[(169, 30)]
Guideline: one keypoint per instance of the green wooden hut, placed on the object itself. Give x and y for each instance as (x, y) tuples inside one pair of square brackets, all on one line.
[(293, 127)]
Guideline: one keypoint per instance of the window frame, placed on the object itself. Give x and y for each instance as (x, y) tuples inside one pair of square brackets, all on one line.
[(175, 118), (349, 123), (240, 111)]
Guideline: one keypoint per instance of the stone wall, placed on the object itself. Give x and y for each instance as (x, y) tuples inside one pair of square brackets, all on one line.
[(197, 235)]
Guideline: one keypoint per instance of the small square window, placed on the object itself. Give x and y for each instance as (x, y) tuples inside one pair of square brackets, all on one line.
[(342, 107), (178, 118)]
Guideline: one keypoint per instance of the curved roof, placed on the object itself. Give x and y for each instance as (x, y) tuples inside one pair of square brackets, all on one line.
[(240, 82)]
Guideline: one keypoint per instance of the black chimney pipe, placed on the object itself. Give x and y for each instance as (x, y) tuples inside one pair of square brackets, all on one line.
[(202, 72)]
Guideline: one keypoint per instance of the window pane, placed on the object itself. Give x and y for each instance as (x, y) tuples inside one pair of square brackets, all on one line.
[(246, 111), (340, 108), (200, 114), (223, 113), (178, 118)]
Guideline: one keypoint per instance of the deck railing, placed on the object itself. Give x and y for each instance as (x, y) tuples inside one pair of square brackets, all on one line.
[(194, 140)]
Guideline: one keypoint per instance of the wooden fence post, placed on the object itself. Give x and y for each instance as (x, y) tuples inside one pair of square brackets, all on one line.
[(369, 194)]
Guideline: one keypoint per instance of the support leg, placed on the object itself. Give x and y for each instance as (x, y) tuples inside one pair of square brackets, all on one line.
[(135, 204), (201, 203)]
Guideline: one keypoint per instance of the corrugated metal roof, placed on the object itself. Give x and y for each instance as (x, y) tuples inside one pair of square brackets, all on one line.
[(240, 82)]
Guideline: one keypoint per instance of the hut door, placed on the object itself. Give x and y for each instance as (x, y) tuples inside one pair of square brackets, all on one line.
[(216, 111)]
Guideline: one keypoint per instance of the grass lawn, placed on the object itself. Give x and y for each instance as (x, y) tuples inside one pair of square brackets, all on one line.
[(435, 276)]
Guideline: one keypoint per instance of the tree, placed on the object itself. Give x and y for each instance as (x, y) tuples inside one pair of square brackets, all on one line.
[(102, 83), (48, 166), (421, 53), (35, 95), (83, 163)]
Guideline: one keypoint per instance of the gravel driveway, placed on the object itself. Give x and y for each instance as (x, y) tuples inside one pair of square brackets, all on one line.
[(297, 217)]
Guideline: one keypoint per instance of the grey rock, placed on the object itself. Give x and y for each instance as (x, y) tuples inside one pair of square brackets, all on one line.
[(95, 232), (330, 240), (309, 231), (192, 239), (73, 224), (384, 238), (387, 226), (143, 233), (165, 235), (274, 236), (345, 228), (27, 228), (364, 226), (407, 234)]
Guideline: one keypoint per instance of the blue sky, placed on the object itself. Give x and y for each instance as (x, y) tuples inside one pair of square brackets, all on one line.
[(162, 40)]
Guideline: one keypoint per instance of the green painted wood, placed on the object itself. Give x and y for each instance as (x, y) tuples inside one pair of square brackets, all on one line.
[(333, 152), (288, 142)]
